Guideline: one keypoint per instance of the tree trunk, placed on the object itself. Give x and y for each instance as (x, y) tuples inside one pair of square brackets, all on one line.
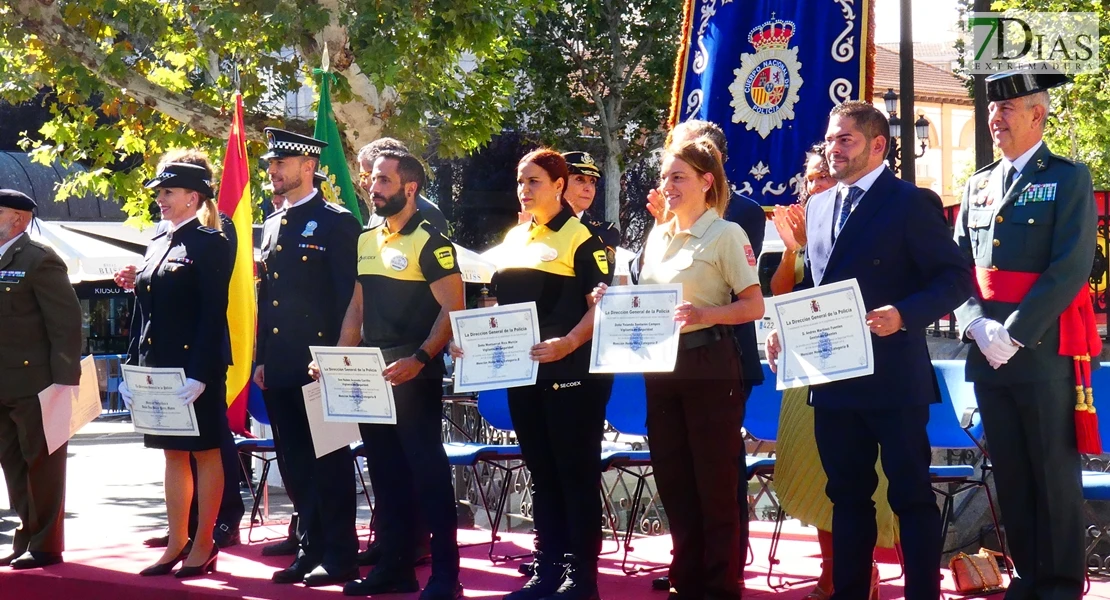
[(613, 181)]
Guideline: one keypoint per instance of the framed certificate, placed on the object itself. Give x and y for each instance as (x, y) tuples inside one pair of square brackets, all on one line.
[(496, 342), (352, 385), (824, 335), (155, 407), (635, 330)]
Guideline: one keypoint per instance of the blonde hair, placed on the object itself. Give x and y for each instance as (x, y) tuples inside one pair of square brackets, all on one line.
[(207, 213), (704, 157)]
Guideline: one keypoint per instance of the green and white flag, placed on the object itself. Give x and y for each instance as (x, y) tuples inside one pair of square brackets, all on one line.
[(339, 188)]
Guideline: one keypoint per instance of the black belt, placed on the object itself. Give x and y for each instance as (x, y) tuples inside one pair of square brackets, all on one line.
[(702, 337), (398, 352)]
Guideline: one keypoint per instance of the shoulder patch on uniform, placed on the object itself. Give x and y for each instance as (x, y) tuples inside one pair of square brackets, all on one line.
[(445, 256), (208, 229), (602, 261), (335, 208)]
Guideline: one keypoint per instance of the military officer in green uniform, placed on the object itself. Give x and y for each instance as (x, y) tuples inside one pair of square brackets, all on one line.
[(40, 347), (1028, 222)]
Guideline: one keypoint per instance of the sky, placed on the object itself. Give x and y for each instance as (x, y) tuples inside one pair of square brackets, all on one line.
[(933, 20)]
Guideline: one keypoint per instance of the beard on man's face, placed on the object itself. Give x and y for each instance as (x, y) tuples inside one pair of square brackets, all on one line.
[(390, 206)]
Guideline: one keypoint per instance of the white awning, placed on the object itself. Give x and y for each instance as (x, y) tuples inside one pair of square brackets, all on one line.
[(475, 269), (88, 259)]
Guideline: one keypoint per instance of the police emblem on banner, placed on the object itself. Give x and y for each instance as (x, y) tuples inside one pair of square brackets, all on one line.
[(767, 82)]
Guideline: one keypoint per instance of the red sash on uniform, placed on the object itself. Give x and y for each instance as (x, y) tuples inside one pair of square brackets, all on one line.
[(1079, 339)]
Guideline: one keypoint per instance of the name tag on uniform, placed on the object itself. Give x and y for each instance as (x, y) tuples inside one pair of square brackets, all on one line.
[(12, 276), (1037, 192)]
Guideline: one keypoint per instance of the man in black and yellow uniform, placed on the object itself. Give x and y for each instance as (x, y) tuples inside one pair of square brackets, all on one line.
[(409, 277)]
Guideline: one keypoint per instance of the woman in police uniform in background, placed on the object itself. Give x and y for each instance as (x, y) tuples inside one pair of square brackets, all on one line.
[(555, 261), (692, 412), (185, 276)]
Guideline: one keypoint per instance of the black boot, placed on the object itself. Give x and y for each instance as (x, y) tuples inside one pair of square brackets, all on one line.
[(579, 582), (545, 581)]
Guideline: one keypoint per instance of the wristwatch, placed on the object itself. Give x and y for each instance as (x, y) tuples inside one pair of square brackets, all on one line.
[(421, 356)]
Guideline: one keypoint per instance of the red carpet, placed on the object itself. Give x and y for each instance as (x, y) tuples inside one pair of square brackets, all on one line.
[(105, 570)]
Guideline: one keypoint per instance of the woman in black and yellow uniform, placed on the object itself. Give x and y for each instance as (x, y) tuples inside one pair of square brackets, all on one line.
[(554, 260), (693, 412), (185, 276)]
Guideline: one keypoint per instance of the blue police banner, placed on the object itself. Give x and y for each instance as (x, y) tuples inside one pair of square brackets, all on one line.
[(768, 72)]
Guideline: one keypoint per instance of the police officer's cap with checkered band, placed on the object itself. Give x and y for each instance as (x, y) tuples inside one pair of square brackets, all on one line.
[(282, 143)]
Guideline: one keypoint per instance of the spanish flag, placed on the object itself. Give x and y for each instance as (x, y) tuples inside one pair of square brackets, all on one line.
[(235, 201)]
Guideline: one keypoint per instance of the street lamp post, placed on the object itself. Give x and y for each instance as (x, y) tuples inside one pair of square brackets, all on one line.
[(921, 129)]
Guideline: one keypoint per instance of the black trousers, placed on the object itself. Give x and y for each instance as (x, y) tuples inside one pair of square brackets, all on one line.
[(559, 423), (322, 489), (412, 479), (231, 504), (35, 478), (693, 418), (1030, 430), (849, 442)]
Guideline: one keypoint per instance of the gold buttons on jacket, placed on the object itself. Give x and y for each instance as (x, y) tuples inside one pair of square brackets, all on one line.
[(275, 329), (148, 288), (7, 289), (285, 221), (275, 302), (998, 219), (1030, 221), (319, 334), (275, 275), (304, 259), (26, 363), (186, 346), (997, 243), (278, 248)]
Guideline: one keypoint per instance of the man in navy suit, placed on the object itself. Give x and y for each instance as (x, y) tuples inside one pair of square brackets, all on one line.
[(887, 235)]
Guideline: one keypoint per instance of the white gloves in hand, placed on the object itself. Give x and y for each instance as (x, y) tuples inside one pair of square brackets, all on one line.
[(125, 393), (993, 341), (189, 392)]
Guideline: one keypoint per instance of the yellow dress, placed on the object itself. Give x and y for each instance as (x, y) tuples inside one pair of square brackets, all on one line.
[(799, 478)]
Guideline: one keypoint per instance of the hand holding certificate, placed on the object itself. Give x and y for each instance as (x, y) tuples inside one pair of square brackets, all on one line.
[(635, 330), (495, 342), (155, 406), (68, 408), (352, 385), (824, 335)]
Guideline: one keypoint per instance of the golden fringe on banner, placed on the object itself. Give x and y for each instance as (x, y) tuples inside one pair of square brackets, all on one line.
[(680, 62)]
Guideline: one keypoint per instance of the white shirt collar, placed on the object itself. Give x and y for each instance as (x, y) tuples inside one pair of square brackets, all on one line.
[(179, 225), (289, 204), (1019, 163), (864, 183), (8, 244)]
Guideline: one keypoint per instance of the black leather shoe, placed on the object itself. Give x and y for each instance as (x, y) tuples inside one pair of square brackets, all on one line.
[(7, 560), (286, 547), (546, 578), (383, 581), (372, 555), (226, 537), (319, 577), (442, 588), (209, 566), (37, 560), (294, 573), (161, 541), (661, 584)]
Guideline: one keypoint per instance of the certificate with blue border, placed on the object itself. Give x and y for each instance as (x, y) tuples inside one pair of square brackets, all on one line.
[(352, 385), (635, 330), (824, 335), (496, 342), (155, 407)]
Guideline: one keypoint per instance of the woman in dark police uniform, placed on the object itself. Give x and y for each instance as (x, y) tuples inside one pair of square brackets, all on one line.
[(554, 260), (694, 412), (180, 320)]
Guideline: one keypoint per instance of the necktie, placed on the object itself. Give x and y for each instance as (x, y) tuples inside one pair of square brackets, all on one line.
[(1010, 172), (846, 205)]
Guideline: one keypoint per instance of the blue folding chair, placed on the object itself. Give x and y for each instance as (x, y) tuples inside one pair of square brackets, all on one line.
[(954, 424), (262, 449), (1096, 483), (493, 406)]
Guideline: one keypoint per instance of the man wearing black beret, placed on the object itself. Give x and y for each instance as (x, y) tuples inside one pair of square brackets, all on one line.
[(40, 318), (1028, 222)]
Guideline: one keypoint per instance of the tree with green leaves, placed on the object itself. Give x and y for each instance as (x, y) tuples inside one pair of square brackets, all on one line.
[(601, 69), (131, 78)]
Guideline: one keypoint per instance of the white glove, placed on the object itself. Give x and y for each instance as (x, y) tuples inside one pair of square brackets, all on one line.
[(993, 340), (125, 393), (189, 392)]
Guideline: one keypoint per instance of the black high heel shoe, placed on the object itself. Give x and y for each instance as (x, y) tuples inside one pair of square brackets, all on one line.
[(209, 566), (165, 568)]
